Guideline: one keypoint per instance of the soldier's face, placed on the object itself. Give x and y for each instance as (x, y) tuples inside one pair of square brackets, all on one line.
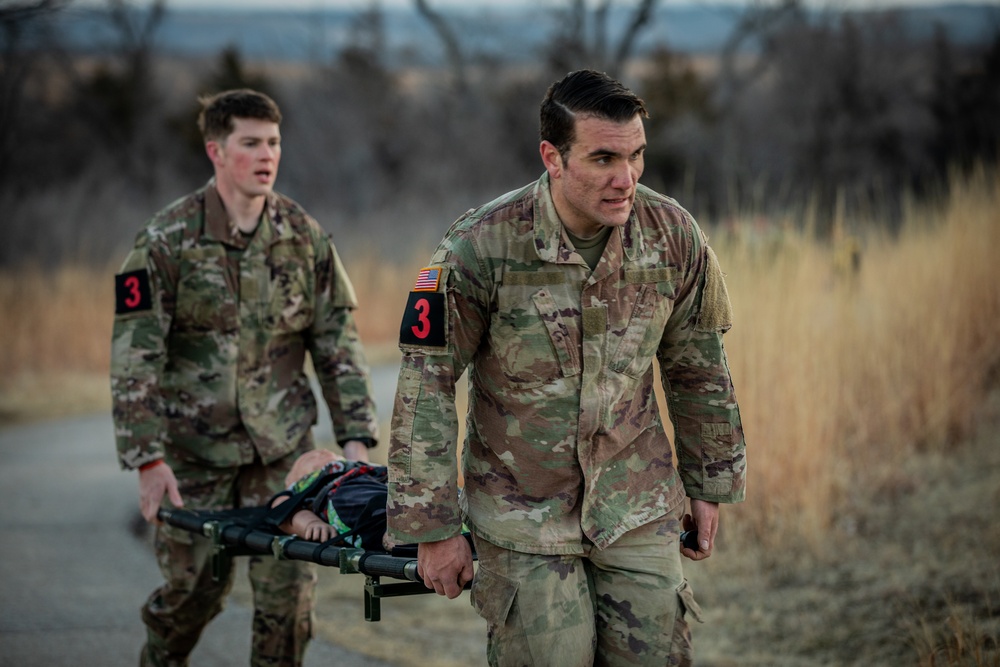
[(247, 160), (594, 186)]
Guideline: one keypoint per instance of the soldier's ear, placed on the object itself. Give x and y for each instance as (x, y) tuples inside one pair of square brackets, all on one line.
[(551, 158), (214, 151)]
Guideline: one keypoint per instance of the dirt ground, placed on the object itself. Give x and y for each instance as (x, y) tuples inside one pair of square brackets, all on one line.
[(913, 578)]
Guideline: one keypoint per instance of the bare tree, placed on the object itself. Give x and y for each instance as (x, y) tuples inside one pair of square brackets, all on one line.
[(964, 99), (449, 40), (124, 85), (14, 13), (118, 98), (121, 94), (756, 30), (759, 22), (576, 46), (16, 64), (583, 40), (640, 18)]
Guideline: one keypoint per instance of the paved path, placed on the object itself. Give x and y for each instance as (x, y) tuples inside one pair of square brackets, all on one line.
[(73, 574)]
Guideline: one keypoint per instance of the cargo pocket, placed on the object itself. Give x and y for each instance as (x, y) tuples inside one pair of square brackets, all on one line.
[(688, 604), (492, 596), (681, 649)]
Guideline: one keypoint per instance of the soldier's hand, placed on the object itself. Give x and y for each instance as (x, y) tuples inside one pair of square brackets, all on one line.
[(704, 518), (445, 566), (153, 484)]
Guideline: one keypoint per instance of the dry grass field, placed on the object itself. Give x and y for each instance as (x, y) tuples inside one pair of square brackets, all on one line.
[(870, 393)]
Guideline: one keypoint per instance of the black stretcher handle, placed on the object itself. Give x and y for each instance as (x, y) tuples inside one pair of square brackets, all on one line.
[(185, 519), (689, 539), (390, 566), (371, 563)]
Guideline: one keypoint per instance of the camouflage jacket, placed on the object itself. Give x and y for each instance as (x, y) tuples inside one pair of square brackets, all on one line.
[(564, 438), (211, 332)]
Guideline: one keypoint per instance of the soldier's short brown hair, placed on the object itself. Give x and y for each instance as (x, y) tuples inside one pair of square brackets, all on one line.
[(584, 92), (218, 111)]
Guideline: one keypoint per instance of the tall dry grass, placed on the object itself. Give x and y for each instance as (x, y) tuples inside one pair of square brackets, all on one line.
[(55, 321), (844, 370)]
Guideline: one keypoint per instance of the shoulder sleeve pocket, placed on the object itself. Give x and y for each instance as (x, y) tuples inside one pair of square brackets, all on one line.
[(716, 313)]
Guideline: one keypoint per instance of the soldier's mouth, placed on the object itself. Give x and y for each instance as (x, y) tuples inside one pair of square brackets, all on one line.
[(618, 201)]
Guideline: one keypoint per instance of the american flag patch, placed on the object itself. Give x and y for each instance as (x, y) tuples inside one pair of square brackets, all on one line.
[(427, 280)]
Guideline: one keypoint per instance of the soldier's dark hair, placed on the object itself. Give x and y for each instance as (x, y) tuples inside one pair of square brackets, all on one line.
[(584, 93), (218, 111)]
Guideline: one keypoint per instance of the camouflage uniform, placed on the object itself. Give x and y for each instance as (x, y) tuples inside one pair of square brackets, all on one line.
[(565, 451), (208, 353)]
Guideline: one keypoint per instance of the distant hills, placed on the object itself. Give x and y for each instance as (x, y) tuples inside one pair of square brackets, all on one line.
[(510, 35)]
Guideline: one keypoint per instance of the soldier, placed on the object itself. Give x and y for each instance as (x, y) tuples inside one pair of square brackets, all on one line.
[(224, 293), (557, 297)]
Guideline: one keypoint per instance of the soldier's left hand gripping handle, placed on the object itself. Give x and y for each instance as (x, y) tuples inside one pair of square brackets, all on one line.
[(181, 519)]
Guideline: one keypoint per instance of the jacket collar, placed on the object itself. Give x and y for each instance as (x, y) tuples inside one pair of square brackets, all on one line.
[(219, 227), (552, 244)]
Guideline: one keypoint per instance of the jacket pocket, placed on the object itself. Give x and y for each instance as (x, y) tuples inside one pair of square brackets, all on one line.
[(530, 338), (641, 335), (205, 298), (290, 304)]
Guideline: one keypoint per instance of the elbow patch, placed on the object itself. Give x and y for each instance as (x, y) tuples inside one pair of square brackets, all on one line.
[(716, 312)]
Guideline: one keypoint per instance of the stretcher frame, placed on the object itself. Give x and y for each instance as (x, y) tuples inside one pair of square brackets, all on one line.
[(232, 537)]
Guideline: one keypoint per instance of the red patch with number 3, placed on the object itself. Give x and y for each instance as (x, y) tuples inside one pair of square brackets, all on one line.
[(132, 292), (423, 320)]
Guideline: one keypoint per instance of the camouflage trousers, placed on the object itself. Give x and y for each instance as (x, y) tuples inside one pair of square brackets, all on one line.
[(283, 591), (623, 605)]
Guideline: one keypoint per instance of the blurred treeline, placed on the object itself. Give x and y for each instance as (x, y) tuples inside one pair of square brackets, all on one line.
[(828, 112)]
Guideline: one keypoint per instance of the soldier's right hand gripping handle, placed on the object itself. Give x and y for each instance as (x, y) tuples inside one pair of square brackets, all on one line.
[(689, 539)]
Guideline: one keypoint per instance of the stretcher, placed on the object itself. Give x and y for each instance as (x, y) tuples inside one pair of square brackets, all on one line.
[(241, 532), (246, 532)]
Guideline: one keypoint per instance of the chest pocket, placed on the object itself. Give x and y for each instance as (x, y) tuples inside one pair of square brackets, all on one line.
[(531, 339), (641, 334), (288, 303), (205, 299)]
